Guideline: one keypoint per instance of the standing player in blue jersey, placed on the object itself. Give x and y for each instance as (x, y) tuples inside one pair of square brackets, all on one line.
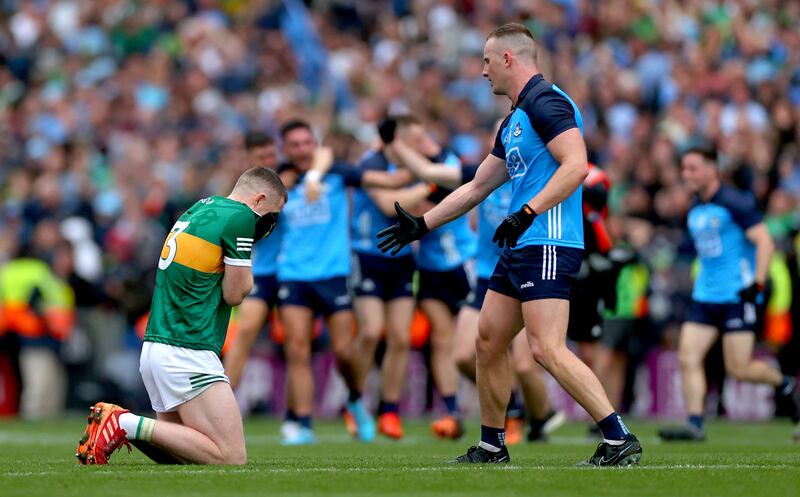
[(253, 313), (540, 148), (446, 276), (383, 287), (491, 212), (734, 249), (313, 267)]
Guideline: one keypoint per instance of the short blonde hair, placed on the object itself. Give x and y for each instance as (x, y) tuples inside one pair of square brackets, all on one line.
[(518, 37)]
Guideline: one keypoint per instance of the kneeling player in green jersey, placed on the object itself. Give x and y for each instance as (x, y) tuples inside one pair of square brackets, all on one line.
[(204, 270)]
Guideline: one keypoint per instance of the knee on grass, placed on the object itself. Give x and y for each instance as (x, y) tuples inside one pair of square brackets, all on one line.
[(237, 457)]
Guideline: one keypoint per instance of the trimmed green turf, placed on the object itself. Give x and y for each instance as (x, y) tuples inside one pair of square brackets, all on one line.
[(746, 460)]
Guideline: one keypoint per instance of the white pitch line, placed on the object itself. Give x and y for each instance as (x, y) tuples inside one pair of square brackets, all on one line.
[(130, 471)]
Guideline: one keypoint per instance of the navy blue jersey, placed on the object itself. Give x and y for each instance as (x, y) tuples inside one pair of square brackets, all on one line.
[(727, 258), (542, 112), (316, 241), (367, 218)]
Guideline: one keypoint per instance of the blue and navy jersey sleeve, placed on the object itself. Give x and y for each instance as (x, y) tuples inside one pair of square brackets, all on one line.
[(374, 161), (350, 175), (742, 207), (550, 114), (499, 150), (468, 173)]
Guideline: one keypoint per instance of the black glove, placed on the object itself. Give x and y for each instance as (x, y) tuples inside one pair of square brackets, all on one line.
[(264, 225), (406, 230), (751, 293), (386, 130), (513, 226)]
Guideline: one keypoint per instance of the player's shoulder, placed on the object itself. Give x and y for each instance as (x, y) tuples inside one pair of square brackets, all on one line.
[(734, 199), (373, 160), (538, 94)]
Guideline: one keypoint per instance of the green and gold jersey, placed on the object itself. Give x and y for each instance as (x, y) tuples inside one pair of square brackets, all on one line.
[(188, 309)]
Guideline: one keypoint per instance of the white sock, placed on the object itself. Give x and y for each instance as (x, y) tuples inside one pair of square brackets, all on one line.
[(613, 442), (137, 427), (489, 447)]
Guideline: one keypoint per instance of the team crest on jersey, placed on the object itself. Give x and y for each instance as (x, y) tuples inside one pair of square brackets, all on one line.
[(516, 166), (517, 131)]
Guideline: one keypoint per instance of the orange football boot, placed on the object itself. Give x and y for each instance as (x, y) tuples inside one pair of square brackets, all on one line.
[(350, 423), (514, 429), (389, 424), (448, 427), (103, 434)]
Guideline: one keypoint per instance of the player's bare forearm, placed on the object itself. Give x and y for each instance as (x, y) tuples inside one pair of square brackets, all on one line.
[(765, 247), (567, 179), (322, 161), (424, 169), (410, 198), (491, 174), (237, 281), (385, 179), (455, 205)]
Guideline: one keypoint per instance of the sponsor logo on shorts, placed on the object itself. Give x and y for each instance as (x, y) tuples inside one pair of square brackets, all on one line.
[(283, 292), (342, 300), (734, 323), (368, 285), (527, 284)]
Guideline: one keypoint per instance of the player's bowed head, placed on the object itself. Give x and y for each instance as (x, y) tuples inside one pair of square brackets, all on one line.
[(263, 191)]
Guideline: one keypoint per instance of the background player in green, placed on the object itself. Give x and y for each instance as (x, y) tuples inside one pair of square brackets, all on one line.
[(204, 270)]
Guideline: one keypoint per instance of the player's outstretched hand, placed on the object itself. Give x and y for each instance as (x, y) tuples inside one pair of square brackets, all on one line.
[(264, 225), (513, 226), (386, 130), (406, 230)]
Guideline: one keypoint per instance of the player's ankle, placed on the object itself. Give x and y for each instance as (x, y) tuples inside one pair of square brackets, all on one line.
[(613, 428), (137, 427), (695, 421), (492, 439)]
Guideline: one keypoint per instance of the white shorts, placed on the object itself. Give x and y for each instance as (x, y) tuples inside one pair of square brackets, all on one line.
[(175, 375)]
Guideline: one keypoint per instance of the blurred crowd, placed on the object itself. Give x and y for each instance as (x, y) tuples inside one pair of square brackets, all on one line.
[(115, 115)]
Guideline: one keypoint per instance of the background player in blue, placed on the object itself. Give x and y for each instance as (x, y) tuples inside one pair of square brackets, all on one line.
[(262, 151), (446, 276), (383, 287), (540, 148), (734, 249), (253, 313), (313, 266), (491, 212)]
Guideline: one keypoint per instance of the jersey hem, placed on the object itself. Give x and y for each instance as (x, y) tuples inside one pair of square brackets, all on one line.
[(181, 343), (548, 241)]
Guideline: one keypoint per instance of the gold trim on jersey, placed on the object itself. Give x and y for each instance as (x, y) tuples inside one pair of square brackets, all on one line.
[(196, 253)]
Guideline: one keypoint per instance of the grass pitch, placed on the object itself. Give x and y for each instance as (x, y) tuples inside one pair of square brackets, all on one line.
[(746, 460)]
